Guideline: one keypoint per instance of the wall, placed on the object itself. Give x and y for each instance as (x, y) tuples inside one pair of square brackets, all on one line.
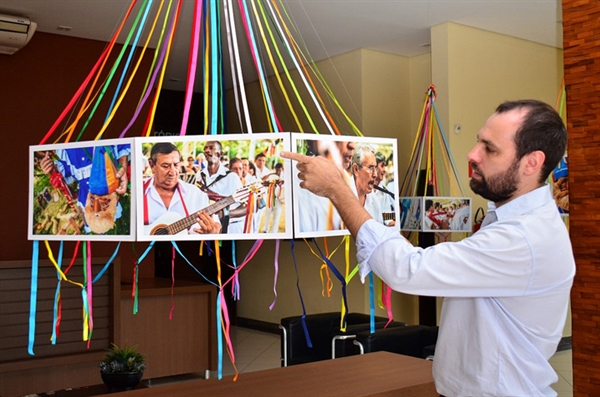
[(475, 70), (581, 26), (36, 85)]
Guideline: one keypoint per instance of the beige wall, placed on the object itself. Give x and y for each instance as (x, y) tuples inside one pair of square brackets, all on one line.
[(473, 71)]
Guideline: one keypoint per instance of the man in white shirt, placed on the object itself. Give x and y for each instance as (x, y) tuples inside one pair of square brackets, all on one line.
[(382, 194), (272, 216), (261, 171), (219, 182), (507, 286), (363, 168), (168, 199)]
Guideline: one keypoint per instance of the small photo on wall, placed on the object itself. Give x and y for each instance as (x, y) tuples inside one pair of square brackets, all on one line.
[(447, 214), (368, 165), (411, 210), (81, 191), (213, 187)]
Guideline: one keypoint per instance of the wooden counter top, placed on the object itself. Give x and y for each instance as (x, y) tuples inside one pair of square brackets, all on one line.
[(375, 374)]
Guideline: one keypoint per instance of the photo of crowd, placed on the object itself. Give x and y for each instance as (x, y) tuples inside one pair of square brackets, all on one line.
[(447, 214), (367, 165), (209, 187), (81, 191)]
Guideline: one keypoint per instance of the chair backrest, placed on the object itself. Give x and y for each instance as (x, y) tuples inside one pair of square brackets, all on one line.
[(411, 340)]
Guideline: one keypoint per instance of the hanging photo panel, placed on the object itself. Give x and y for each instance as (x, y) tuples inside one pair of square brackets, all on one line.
[(447, 214), (411, 211), (369, 167), (82, 191), (238, 180)]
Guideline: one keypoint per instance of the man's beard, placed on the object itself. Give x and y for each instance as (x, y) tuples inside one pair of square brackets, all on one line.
[(101, 222), (497, 188)]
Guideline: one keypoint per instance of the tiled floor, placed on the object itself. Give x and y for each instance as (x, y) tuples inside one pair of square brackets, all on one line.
[(256, 350)]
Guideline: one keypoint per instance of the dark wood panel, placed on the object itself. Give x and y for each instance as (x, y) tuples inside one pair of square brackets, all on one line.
[(15, 285), (581, 39)]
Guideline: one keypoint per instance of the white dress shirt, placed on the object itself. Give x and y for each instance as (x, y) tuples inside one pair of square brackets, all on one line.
[(193, 198), (506, 292)]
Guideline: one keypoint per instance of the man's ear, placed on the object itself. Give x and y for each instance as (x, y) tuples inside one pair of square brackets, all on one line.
[(534, 162)]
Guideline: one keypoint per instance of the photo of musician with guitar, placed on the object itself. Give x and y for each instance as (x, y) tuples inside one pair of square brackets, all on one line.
[(219, 205)]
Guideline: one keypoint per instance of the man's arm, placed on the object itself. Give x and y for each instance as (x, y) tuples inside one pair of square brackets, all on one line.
[(323, 178), (122, 175)]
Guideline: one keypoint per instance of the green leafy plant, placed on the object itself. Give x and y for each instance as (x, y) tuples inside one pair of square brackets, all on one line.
[(125, 359)]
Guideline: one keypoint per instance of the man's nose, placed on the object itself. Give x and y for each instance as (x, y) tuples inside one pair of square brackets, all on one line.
[(97, 205), (473, 156)]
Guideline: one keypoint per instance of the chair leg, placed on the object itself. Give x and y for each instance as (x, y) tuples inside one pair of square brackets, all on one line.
[(284, 358), (335, 339), (360, 346)]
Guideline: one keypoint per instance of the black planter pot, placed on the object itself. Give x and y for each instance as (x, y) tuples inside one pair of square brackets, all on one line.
[(121, 381)]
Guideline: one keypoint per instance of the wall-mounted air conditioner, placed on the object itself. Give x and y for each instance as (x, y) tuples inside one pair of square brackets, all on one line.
[(15, 33)]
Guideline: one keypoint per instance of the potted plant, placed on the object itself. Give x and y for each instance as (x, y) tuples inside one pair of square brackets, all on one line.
[(122, 368)]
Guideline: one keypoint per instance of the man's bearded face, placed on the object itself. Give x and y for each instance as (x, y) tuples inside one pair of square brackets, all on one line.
[(100, 212)]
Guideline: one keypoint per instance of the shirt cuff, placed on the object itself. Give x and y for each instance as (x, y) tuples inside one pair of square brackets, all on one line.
[(370, 235)]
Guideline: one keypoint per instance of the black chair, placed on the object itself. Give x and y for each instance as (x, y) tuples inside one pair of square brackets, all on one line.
[(413, 340), (328, 341)]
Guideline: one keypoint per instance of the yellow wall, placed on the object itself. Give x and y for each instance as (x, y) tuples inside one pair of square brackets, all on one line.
[(473, 71)]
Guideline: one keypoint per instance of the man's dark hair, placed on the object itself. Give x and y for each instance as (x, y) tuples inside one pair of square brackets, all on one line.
[(162, 148), (278, 166), (380, 158), (542, 129), (233, 161), (259, 156), (428, 204), (215, 142)]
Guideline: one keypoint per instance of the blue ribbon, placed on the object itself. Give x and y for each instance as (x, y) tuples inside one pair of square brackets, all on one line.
[(372, 302), (219, 338), (190, 263), (303, 318), (132, 50), (57, 294), (108, 263), (33, 296)]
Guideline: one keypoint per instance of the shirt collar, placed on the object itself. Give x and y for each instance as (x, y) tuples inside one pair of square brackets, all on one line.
[(522, 204)]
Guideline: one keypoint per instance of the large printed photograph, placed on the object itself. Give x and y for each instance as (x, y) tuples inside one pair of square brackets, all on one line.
[(369, 167), (216, 187), (81, 191)]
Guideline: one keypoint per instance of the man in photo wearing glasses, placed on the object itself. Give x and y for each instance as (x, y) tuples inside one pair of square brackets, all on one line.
[(364, 173)]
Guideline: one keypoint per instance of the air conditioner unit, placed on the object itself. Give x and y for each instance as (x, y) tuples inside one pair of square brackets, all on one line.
[(15, 33)]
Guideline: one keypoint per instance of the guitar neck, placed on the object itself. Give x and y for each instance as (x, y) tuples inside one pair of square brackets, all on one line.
[(389, 216), (188, 221)]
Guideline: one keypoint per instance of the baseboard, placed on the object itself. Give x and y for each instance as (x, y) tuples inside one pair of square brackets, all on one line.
[(564, 344), (258, 325)]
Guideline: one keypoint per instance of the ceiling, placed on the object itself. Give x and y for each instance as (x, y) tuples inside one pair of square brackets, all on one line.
[(328, 27)]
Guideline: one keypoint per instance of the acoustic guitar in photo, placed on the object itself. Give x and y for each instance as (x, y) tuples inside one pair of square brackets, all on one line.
[(172, 223)]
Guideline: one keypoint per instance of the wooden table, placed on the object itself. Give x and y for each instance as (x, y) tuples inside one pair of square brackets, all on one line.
[(375, 374)]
